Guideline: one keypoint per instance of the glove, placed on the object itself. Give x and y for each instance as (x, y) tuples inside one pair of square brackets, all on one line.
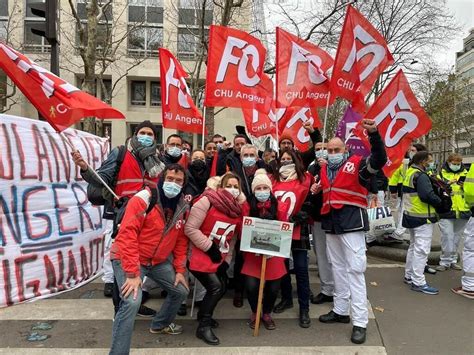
[(214, 253), (222, 269), (299, 218)]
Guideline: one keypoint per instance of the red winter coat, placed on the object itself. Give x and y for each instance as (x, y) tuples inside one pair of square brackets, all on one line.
[(146, 239), (291, 196), (207, 225), (275, 265)]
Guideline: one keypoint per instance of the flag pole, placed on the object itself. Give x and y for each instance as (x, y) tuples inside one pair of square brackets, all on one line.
[(203, 126), (92, 170), (326, 117), (278, 143)]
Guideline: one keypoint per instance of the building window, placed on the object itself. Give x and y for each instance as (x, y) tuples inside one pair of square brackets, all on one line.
[(155, 93), (4, 20), (34, 43), (138, 93), (158, 128), (189, 20), (145, 23)]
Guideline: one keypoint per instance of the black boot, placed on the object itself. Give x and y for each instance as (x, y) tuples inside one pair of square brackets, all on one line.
[(305, 321), (333, 317), (358, 335), (283, 305), (321, 298), (205, 333)]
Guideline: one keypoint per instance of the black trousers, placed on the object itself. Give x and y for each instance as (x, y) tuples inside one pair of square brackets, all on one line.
[(239, 279), (215, 285), (270, 293)]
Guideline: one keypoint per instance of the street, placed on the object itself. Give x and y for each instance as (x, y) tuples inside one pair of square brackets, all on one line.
[(400, 322)]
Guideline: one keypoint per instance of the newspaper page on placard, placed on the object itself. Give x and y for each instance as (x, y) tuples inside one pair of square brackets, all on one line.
[(263, 236)]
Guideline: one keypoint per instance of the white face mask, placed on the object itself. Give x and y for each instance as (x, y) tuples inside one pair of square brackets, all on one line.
[(233, 191)]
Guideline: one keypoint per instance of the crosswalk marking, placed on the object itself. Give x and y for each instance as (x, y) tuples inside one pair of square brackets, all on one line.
[(270, 350), (102, 309)]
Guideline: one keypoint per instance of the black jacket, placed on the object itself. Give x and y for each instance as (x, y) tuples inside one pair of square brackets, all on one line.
[(352, 218), (425, 192)]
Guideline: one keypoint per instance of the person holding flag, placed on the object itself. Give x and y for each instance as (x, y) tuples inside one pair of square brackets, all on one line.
[(344, 184)]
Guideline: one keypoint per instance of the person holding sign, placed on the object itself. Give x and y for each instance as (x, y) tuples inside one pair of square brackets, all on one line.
[(291, 185), (345, 181), (214, 219), (264, 205)]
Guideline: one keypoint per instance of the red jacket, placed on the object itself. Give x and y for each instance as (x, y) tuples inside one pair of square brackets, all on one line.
[(131, 178), (291, 196), (345, 189), (147, 240)]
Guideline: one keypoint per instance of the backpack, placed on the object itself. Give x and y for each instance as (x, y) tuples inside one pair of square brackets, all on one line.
[(94, 192), (120, 207), (443, 191)]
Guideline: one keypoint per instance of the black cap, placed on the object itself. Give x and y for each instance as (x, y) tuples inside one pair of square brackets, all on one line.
[(148, 124)]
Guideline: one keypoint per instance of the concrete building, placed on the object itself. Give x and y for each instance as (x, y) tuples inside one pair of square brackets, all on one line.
[(460, 139), (133, 79)]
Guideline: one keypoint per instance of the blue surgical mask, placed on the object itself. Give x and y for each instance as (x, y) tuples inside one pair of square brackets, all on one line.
[(335, 159), (431, 166), (322, 153), (220, 146), (454, 167), (171, 189), (249, 161), (174, 151), (262, 196), (233, 191), (145, 140)]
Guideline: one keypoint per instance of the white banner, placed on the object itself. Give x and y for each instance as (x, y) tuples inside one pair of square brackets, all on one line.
[(52, 238), (267, 237)]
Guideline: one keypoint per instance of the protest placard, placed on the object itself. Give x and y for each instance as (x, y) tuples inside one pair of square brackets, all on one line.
[(52, 238)]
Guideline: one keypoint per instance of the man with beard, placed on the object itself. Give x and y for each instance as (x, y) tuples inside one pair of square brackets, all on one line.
[(126, 170)]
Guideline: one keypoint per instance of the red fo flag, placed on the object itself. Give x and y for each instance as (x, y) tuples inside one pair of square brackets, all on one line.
[(400, 119), (235, 75), (291, 124), (362, 55), (301, 71), (178, 109), (59, 102)]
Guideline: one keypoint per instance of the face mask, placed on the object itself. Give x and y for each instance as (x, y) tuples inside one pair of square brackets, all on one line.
[(145, 140), (248, 161), (262, 196), (198, 164), (233, 191), (286, 162), (454, 167), (171, 189), (411, 154), (431, 166), (321, 154), (220, 146), (174, 151), (335, 159)]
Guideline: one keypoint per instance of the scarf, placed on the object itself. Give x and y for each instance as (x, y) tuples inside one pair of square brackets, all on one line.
[(332, 169), (147, 155), (288, 172), (264, 209), (224, 202), (250, 171)]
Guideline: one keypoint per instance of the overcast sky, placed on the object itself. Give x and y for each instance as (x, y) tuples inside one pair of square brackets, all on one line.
[(463, 10)]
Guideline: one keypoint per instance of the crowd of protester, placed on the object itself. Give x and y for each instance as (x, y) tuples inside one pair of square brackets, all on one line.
[(181, 212)]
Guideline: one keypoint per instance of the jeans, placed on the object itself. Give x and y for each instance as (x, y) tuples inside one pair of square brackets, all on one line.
[(124, 321), (270, 293), (215, 285), (300, 267)]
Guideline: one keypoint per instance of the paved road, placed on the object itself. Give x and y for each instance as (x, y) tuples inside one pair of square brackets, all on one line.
[(404, 322)]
